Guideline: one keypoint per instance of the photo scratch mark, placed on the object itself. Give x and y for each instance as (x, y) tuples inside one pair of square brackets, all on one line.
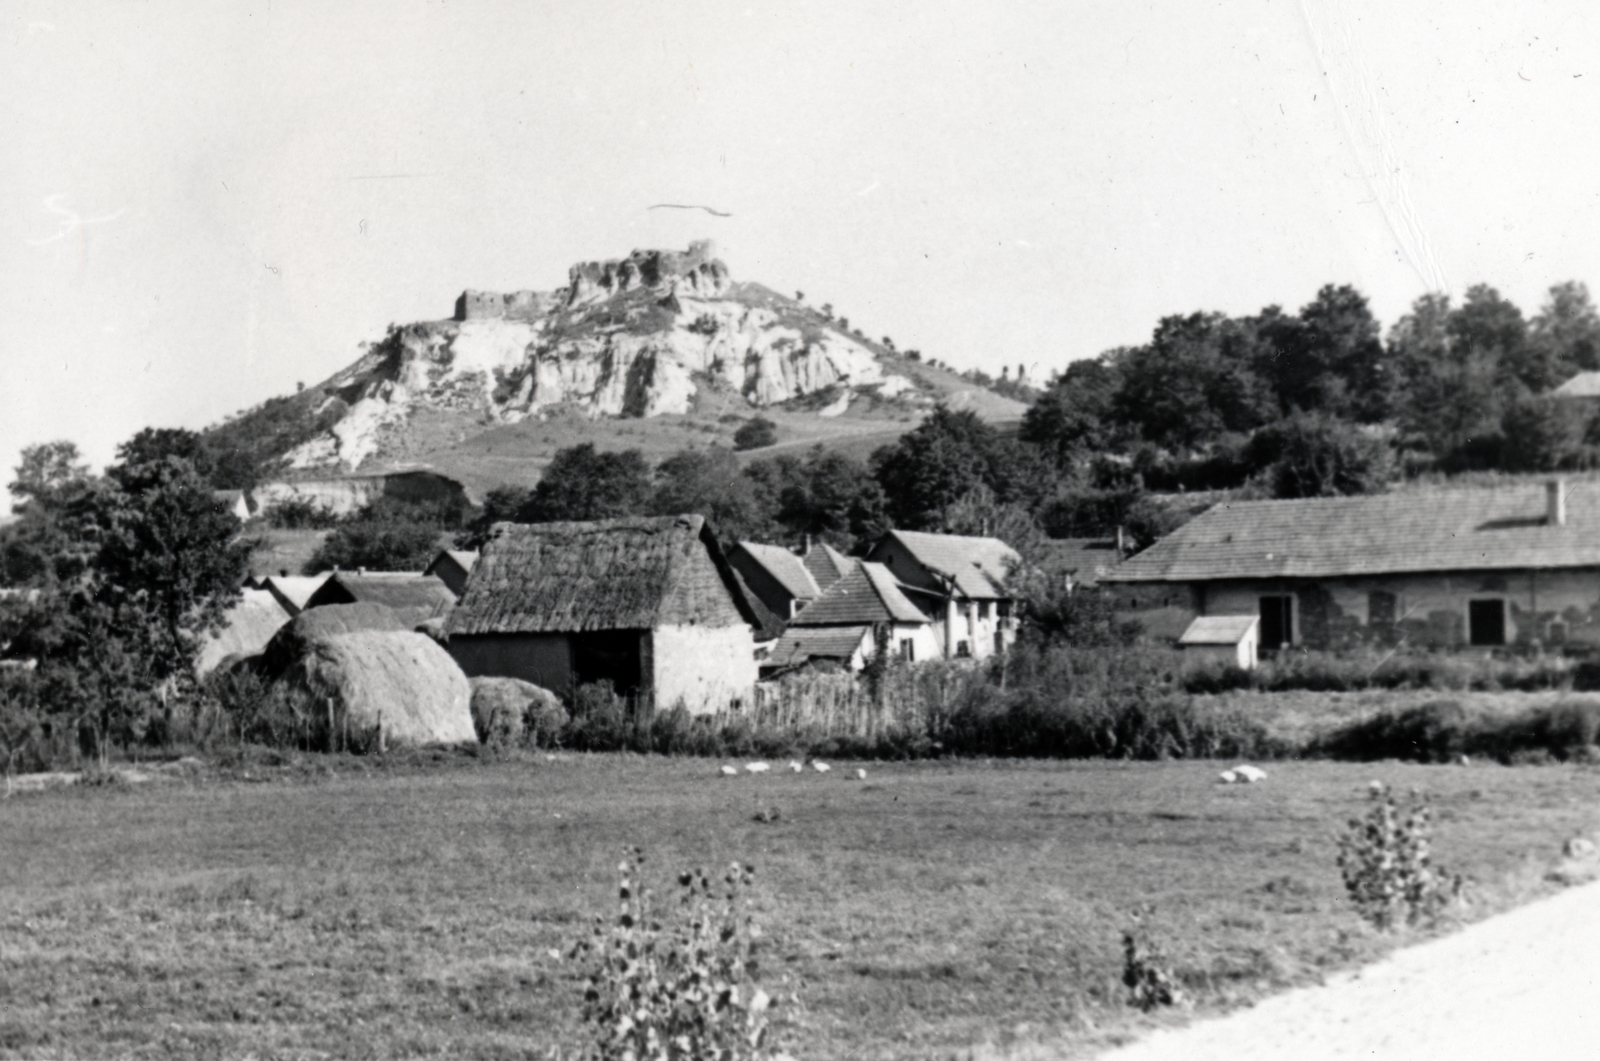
[(689, 206), (71, 220)]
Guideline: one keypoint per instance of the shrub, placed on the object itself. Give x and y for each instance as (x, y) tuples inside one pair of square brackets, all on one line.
[(301, 514), (1387, 863), (677, 985), (756, 434), (1434, 732), (1147, 975)]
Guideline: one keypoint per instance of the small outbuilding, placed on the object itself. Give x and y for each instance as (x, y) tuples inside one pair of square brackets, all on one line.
[(415, 597), (867, 596), (1231, 639), (647, 603)]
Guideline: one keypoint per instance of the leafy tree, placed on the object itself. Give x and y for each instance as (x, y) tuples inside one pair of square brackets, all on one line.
[(711, 483), (828, 496), (1312, 455), (386, 535), (38, 546), (1451, 386), (152, 561), (1194, 381), (1075, 415), (500, 505), (945, 458), (583, 484), (1540, 434), (49, 474), (1489, 326), (1326, 359), (755, 434), (1564, 338)]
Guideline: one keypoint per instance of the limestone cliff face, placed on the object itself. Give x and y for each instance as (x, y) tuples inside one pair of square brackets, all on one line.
[(638, 336)]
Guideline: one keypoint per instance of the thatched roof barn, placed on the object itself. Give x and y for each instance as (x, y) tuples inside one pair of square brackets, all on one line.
[(249, 625), (648, 604), (364, 689), (415, 597)]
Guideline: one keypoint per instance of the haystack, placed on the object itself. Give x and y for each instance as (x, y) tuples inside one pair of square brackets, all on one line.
[(378, 688), (294, 639), (510, 711), (249, 626)]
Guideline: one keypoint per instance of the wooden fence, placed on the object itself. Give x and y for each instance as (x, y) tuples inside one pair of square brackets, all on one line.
[(903, 700)]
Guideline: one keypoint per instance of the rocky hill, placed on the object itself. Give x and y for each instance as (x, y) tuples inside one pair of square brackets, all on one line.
[(665, 340)]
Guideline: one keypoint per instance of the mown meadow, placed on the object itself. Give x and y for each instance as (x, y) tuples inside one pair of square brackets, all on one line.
[(301, 906)]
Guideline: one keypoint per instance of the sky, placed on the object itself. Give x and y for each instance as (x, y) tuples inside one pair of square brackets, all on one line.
[(202, 205)]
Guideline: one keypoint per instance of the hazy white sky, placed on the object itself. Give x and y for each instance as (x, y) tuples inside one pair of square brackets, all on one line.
[(205, 202)]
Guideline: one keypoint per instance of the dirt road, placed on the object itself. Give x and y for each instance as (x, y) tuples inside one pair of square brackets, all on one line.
[(1525, 984)]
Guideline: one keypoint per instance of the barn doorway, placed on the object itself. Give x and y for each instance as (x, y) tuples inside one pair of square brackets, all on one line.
[(607, 655), (1277, 622), (1486, 622)]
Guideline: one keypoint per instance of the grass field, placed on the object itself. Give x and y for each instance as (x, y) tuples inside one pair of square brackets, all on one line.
[(356, 909)]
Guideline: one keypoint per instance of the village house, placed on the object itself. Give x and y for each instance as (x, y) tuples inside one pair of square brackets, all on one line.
[(1481, 568), (968, 575), (452, 566), (415, 597), (648, 604), (840, 625), (775, 575), (825, 564)]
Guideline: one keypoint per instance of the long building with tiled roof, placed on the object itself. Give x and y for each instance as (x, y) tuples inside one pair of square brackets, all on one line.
[(1482, 567)]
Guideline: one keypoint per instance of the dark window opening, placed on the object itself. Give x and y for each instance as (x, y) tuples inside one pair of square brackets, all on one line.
[(1486, 622), (1380, 608), (963, 649), (1277, 622), (908, 651)]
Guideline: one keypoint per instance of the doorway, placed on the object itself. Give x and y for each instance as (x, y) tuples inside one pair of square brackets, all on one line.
[(1277, 622)]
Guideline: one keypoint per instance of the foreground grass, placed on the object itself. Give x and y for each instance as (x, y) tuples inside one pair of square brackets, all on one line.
[(931, 908)]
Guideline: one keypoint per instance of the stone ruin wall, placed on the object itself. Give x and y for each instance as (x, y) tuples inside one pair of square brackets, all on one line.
[(696, 270)]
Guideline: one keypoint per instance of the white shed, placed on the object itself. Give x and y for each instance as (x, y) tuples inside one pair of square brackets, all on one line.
[(1229, 638)]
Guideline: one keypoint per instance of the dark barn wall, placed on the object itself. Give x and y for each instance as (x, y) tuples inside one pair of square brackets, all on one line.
[(543, 659)]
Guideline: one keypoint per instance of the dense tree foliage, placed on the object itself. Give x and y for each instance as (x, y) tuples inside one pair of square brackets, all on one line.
[(583, 483)]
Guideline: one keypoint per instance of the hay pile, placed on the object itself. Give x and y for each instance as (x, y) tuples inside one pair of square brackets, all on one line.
[(294, 640), (509, 712), (364, 689), (249, 626)]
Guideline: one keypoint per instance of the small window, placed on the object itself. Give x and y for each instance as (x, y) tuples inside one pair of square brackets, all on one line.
[(1486, 622), (1380, 608), (984, 609), (1004, 607), (908, 650), (963, 649)]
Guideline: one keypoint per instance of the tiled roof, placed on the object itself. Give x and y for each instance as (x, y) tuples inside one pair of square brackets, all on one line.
[(826, 564), (786, 567), (797, 646), (1219, 630), (978, 566), (464, 558), (1500, 528), (868, 593), (1086, 559), (414, 596), (1583, 385), (621, 574)]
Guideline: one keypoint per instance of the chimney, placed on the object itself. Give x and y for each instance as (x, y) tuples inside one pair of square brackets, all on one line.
[(1119, 542), (1555, 503)]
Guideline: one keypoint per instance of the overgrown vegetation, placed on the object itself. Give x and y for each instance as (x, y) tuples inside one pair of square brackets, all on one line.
[(678, 982), (1386, 860)]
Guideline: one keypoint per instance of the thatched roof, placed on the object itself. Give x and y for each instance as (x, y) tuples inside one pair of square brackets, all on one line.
[(250, 624), (415, 596), (393, 683), (622, 574)]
